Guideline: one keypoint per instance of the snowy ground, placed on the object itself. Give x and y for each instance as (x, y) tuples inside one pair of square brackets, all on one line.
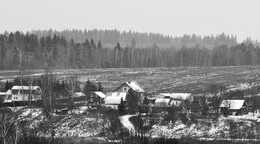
[(239, 127), (191, 79)]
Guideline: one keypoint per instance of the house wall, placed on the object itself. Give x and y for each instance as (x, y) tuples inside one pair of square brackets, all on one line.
[(95, 99), (112, 106), (176, 103), (123, 88), (19, 97)]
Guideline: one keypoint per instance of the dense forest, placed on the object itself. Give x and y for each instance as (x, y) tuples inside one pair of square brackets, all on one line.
[(142, 40), (41, 49)]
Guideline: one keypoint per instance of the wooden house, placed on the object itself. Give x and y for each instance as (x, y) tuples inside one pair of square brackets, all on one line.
[(96, 98), (233, 107), (26, 93)]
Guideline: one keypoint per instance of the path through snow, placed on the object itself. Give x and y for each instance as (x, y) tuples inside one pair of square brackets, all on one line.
[(126, 123)]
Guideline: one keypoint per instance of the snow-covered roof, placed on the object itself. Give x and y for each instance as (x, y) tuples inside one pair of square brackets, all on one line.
[(25, 87), (135, 86), (79, 94), (114, 98), (2, 93), (100, 94), (232, 104), (9, 92), (162, 100), (179, 96)]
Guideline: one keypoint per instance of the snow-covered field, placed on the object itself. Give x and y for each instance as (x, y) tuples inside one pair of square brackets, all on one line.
[(238, 127), (190, 79)]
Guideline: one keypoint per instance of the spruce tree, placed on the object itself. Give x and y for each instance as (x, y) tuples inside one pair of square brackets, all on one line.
[(132, 101), (122, 107)]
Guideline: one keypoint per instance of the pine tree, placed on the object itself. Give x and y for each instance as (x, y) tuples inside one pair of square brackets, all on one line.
[(100, 87), (99, 45), (146, 101), (122, 107), (89, 88), (132, 101)]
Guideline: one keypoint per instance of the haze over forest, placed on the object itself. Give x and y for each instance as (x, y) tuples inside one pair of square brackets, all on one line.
[(113, 49)]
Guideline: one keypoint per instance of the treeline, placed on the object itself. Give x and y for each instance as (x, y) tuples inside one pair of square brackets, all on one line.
[(28, 51), (135, 39)]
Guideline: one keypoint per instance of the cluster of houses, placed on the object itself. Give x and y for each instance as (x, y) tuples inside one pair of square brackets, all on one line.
[(113, 99)]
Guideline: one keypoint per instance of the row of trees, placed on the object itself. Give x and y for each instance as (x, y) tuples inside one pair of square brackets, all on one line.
[(135, 39), (19, 51)]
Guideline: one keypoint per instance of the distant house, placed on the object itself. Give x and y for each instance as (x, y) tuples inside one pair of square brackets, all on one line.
[(79, 94), (162, 102), (233, 107), (25, 93), (113, 99), (176, 99), (97, 97), (130, 85)]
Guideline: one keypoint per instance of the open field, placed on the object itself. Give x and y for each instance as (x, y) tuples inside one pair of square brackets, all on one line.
[(186, 79)]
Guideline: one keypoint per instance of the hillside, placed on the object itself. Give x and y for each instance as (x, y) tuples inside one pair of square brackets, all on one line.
[(191, 79)]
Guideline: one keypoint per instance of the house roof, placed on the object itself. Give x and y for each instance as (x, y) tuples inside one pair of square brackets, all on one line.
[(162, 100), (25, 87), (232, 104), (177, 96), (100, 94), (114, 98), (9, 92), (2, 93), (133, 85), (79, 94)]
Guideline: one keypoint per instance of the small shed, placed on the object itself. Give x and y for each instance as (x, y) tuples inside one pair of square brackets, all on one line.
[(233, 107)]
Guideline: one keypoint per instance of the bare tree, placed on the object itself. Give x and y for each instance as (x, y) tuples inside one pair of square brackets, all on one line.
[(47, 86), (9, 127), (70, 88)]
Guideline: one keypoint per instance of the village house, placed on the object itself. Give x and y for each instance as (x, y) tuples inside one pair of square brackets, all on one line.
[(130, 85), (170, 99), (96, 98), (24, 93), (233, 107), (162, 102), (113, 99)]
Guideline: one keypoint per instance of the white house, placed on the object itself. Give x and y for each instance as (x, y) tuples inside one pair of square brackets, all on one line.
[(130, 85), (113, 99), (25, 93)]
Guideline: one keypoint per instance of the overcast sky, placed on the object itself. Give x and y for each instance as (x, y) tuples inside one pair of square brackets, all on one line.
[(169, 17)]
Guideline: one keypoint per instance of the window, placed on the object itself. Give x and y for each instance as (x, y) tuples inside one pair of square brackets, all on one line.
[(9, 97), (125, 89), (15, 91)]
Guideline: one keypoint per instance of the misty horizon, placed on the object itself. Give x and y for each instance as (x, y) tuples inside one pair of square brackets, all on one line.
[(169, 17)]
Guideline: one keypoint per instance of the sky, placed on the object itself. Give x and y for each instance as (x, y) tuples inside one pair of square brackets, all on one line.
[(168, 17)]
